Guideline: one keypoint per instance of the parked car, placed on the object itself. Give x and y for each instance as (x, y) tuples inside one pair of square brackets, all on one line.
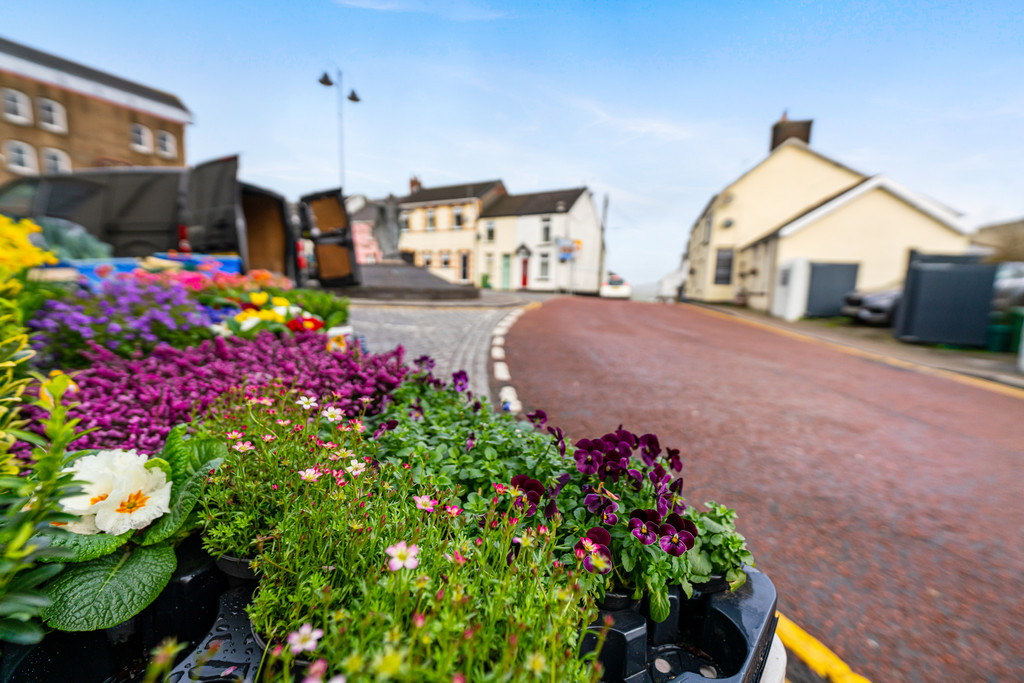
[(873, 308), (615, 287), (1008, 290)]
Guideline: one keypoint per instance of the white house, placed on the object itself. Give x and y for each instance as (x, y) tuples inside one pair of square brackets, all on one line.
[(544, 241)]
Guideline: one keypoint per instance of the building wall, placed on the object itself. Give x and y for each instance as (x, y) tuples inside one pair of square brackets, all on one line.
[(444, 238), (583, 273), (788, 182), (365, 244), (876, 230), (491, 253), (98, 131)]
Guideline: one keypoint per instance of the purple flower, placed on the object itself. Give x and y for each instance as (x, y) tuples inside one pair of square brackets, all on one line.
[(559, 439), (599, 561), (593, 502), (593, 539), (643, 530), (470, 441), (560, 484), (538, 418), (530, 491), (460, 380), (674, 461), (675, 541), (588, 462), (649, 448), (609, 517), (385, 427), (425, 363)]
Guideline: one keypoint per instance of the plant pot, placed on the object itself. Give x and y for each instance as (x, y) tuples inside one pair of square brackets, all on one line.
[(723, 635), (237, 647), (716, 584), (237, 568), (186, 609), (614, 601)]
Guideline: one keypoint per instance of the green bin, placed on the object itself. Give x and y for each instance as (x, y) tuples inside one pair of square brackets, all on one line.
[(997, 338), (1016, 321)]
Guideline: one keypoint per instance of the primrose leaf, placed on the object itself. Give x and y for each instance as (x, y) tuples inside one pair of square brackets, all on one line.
[(82, 547), (106, 591), (176, 453), (184, 497)]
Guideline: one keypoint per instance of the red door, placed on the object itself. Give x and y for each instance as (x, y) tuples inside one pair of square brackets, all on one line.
[(526, 269)]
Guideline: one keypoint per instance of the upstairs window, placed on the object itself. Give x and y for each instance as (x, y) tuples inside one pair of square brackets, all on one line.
[(21, 157), (166, 144), (55, 161), (490, 231), (430, 219), (445, 260), (52, 116), (723, 267), (426, 259), (545, 229), (142, 139), (403, 221), (545, 267), (17, 107), (456, 218)]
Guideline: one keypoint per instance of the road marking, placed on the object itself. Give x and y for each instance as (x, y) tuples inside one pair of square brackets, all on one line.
[(497, 352), (507, 394), (870, 355), (819, 658)]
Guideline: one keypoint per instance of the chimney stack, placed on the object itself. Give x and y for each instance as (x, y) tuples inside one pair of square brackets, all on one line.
[(414, 185), (785, 129)]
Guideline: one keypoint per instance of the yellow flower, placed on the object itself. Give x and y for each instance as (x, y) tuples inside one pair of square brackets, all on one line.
[(279, 301), (242, 316), (388, 664), (353, 663), (16, 250), (270, 316), (258, 298), (535, 663)]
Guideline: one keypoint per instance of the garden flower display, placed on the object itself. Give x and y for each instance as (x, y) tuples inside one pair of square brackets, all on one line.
[(17, 252), (119, 493)]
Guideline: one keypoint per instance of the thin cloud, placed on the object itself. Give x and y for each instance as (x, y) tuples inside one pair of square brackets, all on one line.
[(456, 10)]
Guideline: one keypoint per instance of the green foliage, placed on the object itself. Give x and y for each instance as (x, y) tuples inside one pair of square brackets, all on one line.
[(106, 591), (30, 506), (333, 310), (14, 352), (71, 241), (719, 550)]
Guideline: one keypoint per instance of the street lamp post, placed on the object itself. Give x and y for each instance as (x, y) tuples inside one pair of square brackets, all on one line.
[(325, 80)]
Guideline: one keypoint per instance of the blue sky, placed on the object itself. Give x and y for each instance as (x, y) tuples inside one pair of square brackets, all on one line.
[(657, 104)]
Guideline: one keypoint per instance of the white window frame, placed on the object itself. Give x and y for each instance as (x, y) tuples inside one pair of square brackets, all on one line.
[(23, 116), (490, 231), (545, 229), (60, 116), (29, 153), (172, 149), (431, 221), (403, 221), (457, 218), (63, 160), (446, 259), (544, 267), (426, 259), (146, 146)]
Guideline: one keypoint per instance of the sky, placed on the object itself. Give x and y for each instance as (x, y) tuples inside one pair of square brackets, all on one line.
[(658, 105)]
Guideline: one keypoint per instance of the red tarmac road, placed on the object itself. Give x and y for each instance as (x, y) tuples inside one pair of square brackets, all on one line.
[(886, 505)]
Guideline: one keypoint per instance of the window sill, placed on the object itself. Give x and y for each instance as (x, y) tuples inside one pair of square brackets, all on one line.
[(20, 120), (141, 150), (54, 128)]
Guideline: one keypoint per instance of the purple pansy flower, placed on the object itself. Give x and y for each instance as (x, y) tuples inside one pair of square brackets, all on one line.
[(530, 492), (588, 462), (538, 417), (559, 439), (460, 380), (675, 541)]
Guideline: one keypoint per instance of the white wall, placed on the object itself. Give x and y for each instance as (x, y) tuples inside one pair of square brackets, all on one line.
[(583, 273)]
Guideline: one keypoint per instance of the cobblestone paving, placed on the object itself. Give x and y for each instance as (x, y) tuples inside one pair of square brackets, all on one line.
[(456, 338)]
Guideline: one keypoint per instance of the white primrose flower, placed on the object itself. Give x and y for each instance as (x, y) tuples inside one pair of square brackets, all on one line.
[(118, 493)]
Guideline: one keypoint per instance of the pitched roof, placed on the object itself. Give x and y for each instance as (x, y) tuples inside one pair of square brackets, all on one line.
[(69, 67), (553, 201), (367, 213), (930, 207), (449, 193)]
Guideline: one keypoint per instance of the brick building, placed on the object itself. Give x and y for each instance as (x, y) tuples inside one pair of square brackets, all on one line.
[(59, 115)]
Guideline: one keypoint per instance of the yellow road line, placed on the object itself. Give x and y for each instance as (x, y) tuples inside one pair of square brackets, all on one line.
[(977, 382), (819, 658)]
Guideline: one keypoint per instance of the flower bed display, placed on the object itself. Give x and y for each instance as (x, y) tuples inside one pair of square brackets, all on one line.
[(398, 528)]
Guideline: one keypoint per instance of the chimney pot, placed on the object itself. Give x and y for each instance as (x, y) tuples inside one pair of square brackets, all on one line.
[(415, 185)]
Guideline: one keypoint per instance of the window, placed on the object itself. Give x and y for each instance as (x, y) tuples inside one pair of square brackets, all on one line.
[(545, 267), (403, 221), (490, 231), (446, 260), (55, 161), (426, 259), (545, 229), (464, 266), (430, 219), (142, 138), (21, 157), (456, 218), (17, 107), (723, 267), (489, 264), (52, 116), (166, 144)]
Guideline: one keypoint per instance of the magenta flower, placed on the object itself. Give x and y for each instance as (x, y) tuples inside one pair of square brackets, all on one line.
[(594, 539), (528, 492), (599, 561), (588, 462), (452, 510), (675, 541), (402, 556)]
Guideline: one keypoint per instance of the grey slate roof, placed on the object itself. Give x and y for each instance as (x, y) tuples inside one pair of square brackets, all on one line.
[(553, 201), (450, 192), (74, 68)]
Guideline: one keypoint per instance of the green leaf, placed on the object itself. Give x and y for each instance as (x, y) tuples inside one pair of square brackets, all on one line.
[(183, 499), (176, 453), (660, 605), (109, 590), (21, 632), (204, 451), (628, 561), (161, 464), (712, 526), (699, 563), (83, 548)]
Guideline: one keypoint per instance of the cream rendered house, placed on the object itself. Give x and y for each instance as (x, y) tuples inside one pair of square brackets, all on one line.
[(439, 226), (798, 206), (543, 241)]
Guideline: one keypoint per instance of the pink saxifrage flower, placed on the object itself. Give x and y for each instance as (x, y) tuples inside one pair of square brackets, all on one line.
[(425, 503), (310, 474), (305, 639), (243, 446), (402, 556), (235, 434), (268, 437), (452, 510)]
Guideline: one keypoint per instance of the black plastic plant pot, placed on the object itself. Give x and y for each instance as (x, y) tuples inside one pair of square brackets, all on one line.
[(722, 635), (237, 568), (229, 652), (185, 609)]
